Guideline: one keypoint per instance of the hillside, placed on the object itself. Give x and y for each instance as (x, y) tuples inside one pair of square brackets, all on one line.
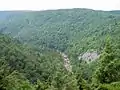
[(45, 50), (64, 30), (21, 66)]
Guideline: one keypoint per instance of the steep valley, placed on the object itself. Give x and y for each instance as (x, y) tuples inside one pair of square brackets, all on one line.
[(65, 49)]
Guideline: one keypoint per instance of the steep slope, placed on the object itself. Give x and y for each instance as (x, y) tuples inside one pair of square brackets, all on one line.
[(32, 64), (73, 32), (70, 30), (23, 68)]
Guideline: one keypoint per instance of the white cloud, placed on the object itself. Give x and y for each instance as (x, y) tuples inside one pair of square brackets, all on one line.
[(59, 4)]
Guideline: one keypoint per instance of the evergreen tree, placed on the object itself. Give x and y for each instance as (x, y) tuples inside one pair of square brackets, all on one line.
[(108, 70)]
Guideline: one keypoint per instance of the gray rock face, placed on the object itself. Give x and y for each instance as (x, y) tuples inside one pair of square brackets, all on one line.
[(89, 56)]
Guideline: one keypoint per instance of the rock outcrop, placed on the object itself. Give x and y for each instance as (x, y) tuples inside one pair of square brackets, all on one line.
[(89, 56)]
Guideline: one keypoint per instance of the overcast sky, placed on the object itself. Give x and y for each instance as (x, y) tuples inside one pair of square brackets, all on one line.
[(59, 4)]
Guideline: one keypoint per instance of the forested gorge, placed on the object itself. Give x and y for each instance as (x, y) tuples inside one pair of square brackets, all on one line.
[(32, 44)]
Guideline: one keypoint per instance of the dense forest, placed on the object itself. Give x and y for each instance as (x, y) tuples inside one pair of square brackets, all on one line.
[(36, 47)]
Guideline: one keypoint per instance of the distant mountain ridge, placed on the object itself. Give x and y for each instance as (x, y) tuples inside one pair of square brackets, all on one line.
[(116, 11)]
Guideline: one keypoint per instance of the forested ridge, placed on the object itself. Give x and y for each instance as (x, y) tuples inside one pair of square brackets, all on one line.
[(32, 44)]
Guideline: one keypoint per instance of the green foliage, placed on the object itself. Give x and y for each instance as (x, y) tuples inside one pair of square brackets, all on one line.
[(30, 63), (105, 58), (12, 80), (72, 30), (108, 70), (33, 61), (23, 68), (112, 86)]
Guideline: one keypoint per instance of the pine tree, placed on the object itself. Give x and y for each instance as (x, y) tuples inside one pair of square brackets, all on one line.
[(107, 56), (108, 70)]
